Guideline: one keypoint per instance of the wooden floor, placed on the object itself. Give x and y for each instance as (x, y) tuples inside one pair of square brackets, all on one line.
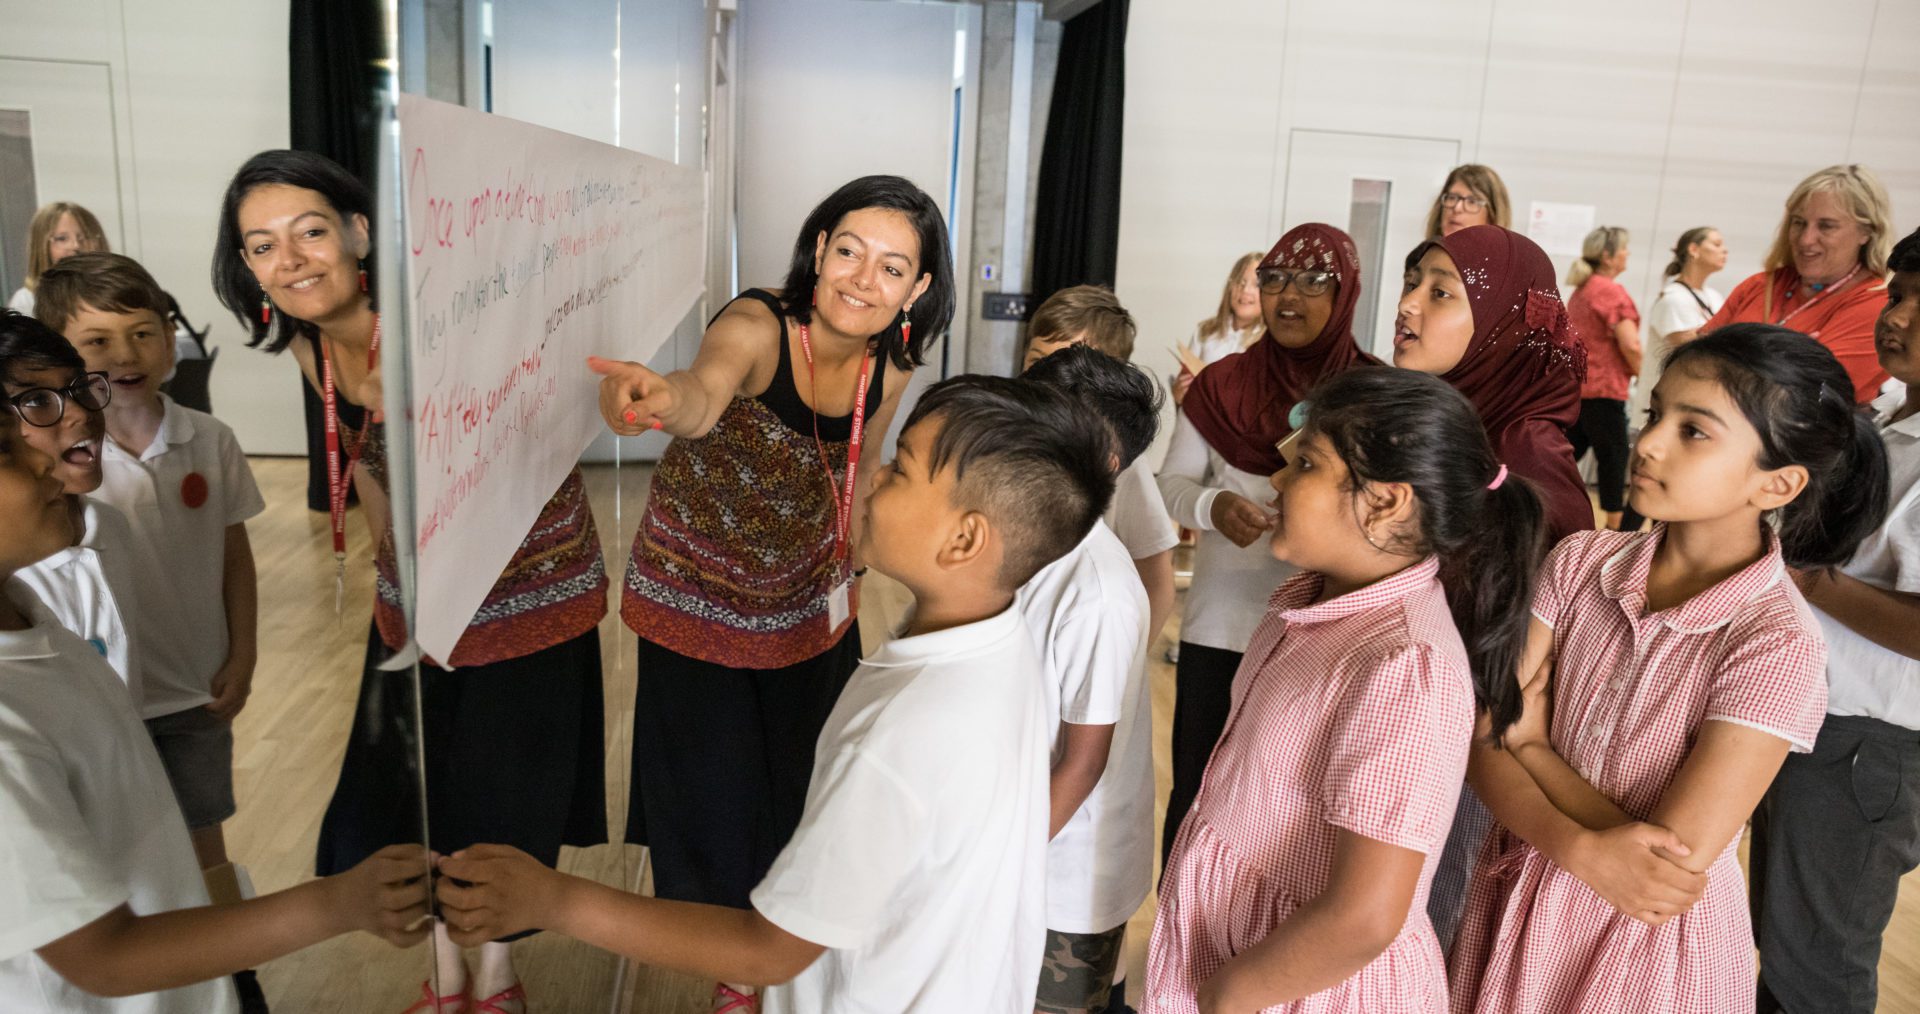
[(290, 740)]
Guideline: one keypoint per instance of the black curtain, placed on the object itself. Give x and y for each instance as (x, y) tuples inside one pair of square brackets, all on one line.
[(332, 48), (1076, 220)]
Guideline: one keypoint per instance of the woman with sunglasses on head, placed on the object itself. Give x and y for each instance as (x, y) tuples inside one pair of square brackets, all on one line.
[(1215, 474)]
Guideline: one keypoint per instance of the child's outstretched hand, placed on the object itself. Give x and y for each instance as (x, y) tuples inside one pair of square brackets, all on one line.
[(490, 891), (386, 895)]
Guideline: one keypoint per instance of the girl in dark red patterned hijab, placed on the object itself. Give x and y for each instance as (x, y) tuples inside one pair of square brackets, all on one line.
[(1241, 403), (1482, 311)]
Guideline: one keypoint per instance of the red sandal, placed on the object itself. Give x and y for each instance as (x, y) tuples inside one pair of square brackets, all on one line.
[(428, 1003), (491, 1005), (745, 1003)]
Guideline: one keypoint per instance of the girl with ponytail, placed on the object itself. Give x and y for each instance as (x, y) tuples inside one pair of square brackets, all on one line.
[(1304, 865), (1666, 676)]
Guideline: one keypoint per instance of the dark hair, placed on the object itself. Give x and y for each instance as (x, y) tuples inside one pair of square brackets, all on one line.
[(233, 281), (109, 282), (1092, 313), (1490, 539), (1029, 457), (1680, 256), (26, 343), (1906, 254), (932, 312), (1116, 390), (1795, 394)]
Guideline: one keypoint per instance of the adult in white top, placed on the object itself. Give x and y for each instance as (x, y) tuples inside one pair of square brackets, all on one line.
[(1088, 616), (88, 587), (1840, 826), (87, 821), (1685, 302)]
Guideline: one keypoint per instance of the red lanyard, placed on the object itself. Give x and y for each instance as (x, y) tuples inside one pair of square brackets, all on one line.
[(340, 479), (1818, 296), (843, 504)]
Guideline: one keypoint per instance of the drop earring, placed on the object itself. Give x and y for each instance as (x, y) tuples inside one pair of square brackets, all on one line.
[(363, 275), (266, 309), (906, 325)]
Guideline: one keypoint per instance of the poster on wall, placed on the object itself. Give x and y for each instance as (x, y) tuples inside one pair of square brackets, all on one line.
[(528, 250), (1560, 229)]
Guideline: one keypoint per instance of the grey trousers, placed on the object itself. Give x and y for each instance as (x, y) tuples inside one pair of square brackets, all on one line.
[(1831, 839)]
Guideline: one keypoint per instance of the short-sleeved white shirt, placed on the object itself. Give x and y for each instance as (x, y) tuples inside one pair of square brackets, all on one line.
[(1088, 616), (1862, 677), (1138, 514), (920, 858), (89, 589), (87, 820), (179, 497)]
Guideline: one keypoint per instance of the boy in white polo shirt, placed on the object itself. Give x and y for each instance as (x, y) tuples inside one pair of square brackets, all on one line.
[(1841, 825), (916, 880), (180, 478), (102, 896), (88, 586), (1088, 615)]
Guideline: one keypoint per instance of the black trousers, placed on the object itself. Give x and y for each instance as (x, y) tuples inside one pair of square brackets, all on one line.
[(1831, 839), (1203, 694), (1603, 427), (721, 762)]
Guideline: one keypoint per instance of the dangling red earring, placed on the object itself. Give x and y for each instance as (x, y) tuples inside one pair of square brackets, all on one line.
[(266, 309), (363, 276), (906, 326)]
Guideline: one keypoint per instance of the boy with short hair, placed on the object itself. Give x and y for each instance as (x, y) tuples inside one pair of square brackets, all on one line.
[(88, 586), (1088, 615), (1840, 826), (102, 895), (916, 880), (1091, 315), (185, 487)]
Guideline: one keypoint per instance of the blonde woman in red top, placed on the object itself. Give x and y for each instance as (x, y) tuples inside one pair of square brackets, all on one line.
[(1608, 323)]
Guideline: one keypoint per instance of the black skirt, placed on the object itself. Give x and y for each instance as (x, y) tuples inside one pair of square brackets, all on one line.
[(721, 762), (515, 755)]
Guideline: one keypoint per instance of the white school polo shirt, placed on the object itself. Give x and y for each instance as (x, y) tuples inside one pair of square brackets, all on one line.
[(89, 588), (1862, 677), (179, 497), (87, 820), (1138, 514), (1088, 616), (920, 858)]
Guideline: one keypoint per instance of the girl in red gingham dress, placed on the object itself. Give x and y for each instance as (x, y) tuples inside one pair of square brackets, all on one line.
[(1666, 677), (1299, 878)]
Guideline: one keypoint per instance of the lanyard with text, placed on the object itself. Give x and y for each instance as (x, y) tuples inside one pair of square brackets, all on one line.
[(339, 479), (838, 600), (1823, 293)]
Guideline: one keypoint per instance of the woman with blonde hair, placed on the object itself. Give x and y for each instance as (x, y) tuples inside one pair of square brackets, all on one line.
[(1233, 327), (57, 230), (1826, 274), (1473, 195), (1603, 315)]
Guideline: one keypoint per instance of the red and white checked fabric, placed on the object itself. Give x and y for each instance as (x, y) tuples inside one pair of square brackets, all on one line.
[(1631, 691), (1354, 713)]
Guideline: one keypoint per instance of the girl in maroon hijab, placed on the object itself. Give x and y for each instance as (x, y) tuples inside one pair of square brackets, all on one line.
[(1482, 312), (1214, 478)]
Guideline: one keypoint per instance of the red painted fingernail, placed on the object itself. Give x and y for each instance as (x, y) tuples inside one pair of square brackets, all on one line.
[(632, 416)]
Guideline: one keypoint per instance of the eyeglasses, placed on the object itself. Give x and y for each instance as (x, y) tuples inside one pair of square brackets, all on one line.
[(1308, 282), (46, 406), (1471, 202)]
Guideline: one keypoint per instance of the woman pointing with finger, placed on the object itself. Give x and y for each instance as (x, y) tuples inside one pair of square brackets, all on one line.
[(741, 586)]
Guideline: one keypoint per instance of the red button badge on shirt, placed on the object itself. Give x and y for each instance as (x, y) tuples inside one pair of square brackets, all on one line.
[(193, 490)]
